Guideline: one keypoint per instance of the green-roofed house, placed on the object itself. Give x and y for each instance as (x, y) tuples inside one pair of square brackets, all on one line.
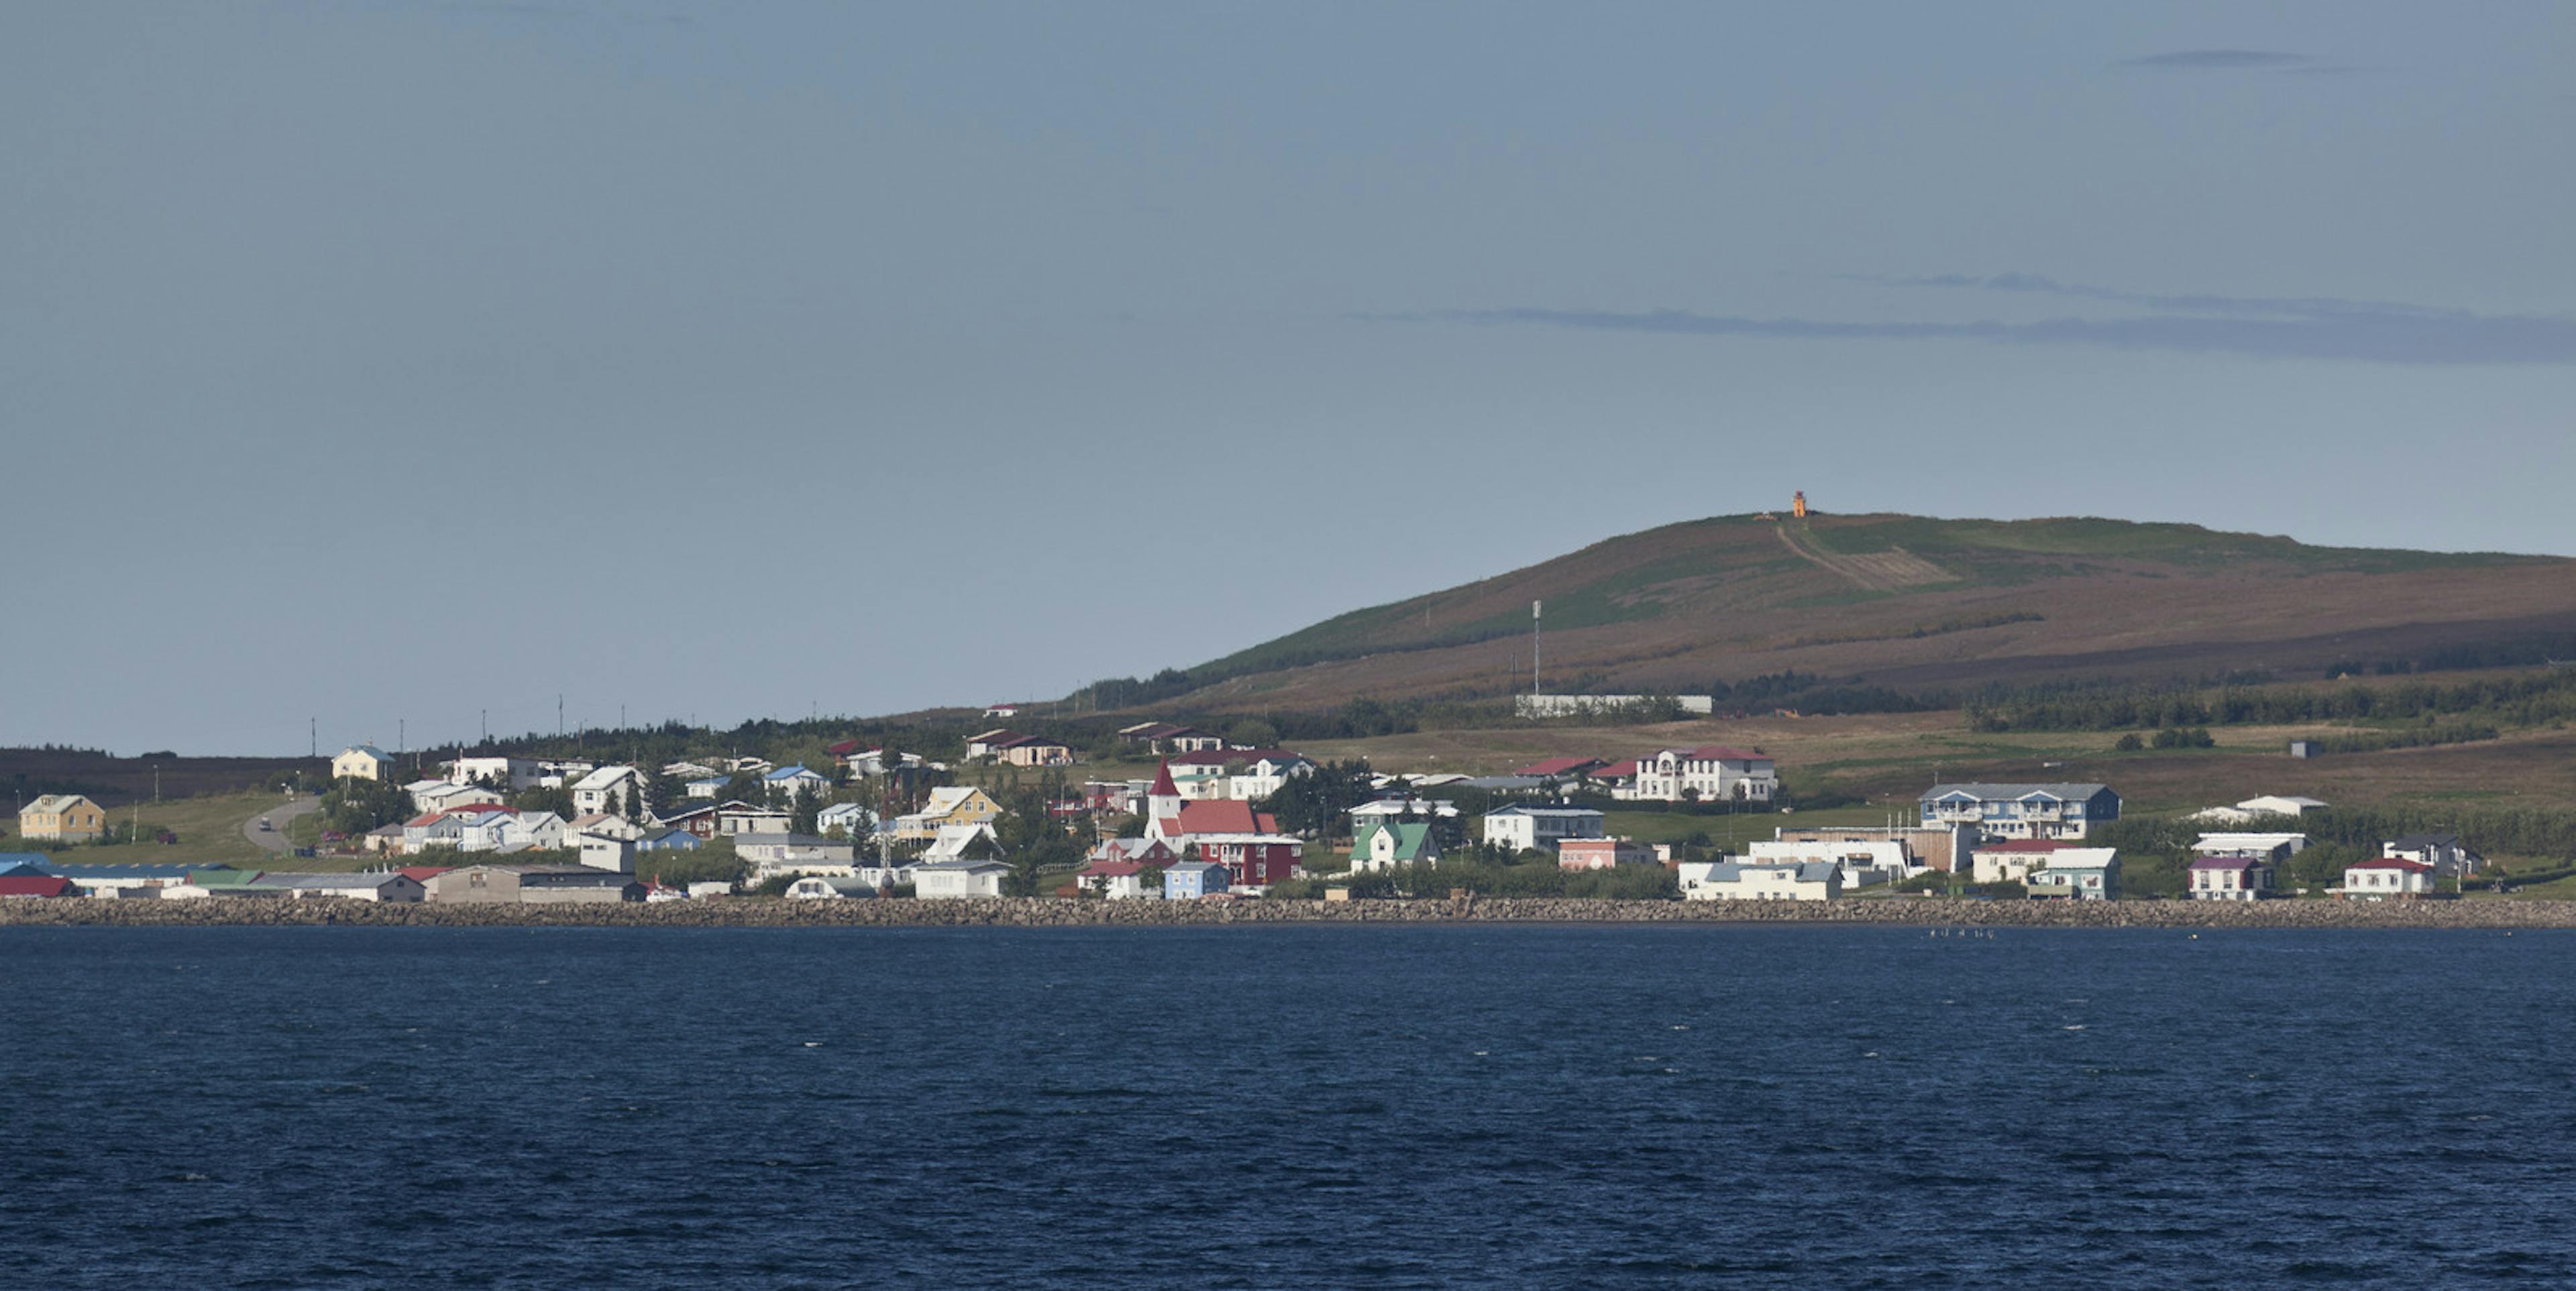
[(221, 881), (1384, 844)]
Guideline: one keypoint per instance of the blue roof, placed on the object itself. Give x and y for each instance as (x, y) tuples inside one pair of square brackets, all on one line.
[(792, 772), (36, 862), (79, 872)]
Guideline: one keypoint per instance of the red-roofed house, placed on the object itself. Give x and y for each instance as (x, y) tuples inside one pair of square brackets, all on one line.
[(2387, 876), (36, 885), (1222, 831), (1709, 773)]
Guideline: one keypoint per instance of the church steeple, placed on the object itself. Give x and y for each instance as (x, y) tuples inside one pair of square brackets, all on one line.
[(1162, 802)]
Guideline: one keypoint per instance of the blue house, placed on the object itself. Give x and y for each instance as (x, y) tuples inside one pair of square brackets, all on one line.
[(670, 840), (792, 780), (1190, 880), (2020, 810)]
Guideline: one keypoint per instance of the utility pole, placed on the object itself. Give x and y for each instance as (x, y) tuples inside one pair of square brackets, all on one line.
[(1534, 653), (312, 737), (559, 714), (487, 725)]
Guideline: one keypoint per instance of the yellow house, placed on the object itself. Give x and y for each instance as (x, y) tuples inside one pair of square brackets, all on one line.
[(365, 762), (66, 816), (950, 805)]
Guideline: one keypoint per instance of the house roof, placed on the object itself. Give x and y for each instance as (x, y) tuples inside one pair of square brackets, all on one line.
[(2228, 862), (1412, 838), (55, 802), (947, 798), (368, 749), (34, 885), (1224, 816), (1623, 769), (795, 771), (842, 748), (423, 873), (2391, 863), (1558, 766), (1196, 867), (961, 867), (1519, 809), (16, 860), (1112, 869), (602, 778), (1717, 753), (2012, 792), (1808, 871)]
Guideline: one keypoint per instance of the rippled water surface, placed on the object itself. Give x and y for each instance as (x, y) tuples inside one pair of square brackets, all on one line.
[(1258, 1107)]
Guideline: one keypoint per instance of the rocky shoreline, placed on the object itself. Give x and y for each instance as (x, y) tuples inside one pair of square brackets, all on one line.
[(1047, 912)]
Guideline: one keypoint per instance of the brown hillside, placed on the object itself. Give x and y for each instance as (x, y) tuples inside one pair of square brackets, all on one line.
[(1911, 603)]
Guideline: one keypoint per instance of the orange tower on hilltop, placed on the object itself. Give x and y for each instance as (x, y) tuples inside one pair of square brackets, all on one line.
[(1798, 505)]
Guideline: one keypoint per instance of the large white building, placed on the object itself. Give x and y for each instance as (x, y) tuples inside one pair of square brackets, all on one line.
[(1526, 829), (1708, 773), (1761, 880), (607, 790)]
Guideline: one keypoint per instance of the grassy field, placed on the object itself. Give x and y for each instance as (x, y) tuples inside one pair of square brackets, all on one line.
[(209, 830)]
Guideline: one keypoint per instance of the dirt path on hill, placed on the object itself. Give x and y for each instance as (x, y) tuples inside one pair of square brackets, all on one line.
[(1879, 571)]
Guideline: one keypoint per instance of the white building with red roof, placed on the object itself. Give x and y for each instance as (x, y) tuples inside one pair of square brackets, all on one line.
[(2387, 876), (1224, 831), (1707, 773)]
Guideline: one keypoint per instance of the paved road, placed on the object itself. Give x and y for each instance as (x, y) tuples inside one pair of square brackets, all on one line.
[(275, 840)]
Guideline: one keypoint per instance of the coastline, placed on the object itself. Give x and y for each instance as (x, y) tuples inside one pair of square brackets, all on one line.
[(1057, 912)]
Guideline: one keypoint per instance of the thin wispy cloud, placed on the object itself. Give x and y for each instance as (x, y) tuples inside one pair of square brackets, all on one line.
[(2247, 326), (2216, 60)]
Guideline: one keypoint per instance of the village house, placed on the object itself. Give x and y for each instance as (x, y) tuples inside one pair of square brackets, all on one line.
[(1863, 864), (852, 819), (1254, 860), (2010, 860), (1387, 809), (1115, 880), (825, 887), (736, 818), (606, 851), (1566, 770), (1601, 853), (668, 840), (2273, 849), (495, 772), (2253, 809), (430, 797), (2229, 878), (1241, 774), (65, 817), (532, 885), (1519, 828), (707, 787), (1164, 737), (770, 854), (953, 842), (1938, 847), (2441, 851), (1708, 773), (2388, 876), (948, 805), (1191, 880), (1760, 881), (1032, 751), (1383, 845), (607, 790), (786, 782), (982, 743), (958, 879), (2021, 810), (364, 762), (381, 886), (2078, 874)]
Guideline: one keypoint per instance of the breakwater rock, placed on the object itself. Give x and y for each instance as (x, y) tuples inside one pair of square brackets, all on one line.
[(1050, 912)]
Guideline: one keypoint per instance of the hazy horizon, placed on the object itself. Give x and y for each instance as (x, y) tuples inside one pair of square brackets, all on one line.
[(385, 362)]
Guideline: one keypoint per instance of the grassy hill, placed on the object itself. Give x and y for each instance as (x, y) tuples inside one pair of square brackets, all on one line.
[(1917, 604)]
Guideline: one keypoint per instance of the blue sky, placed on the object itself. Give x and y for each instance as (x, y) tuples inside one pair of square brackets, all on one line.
[(385, 362)]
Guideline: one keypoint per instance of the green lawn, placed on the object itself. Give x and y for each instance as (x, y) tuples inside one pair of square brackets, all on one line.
[(209, 829)]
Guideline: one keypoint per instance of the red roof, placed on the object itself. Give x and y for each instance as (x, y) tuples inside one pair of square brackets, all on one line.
[(1624, 769), (1557, 766), (2391, 863), (423, 873), (2023, 845), (1225, 816), (1163, 786), (1112, 869), (843, 748), (35, 885)]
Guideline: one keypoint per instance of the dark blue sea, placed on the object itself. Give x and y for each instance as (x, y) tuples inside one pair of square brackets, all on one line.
[(1301, 1106)]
